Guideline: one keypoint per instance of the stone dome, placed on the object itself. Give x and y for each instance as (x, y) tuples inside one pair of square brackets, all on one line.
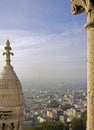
[(11, 96), (10, 88)]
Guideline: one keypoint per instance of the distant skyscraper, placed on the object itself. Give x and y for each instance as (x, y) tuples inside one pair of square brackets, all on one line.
[(11, 97)]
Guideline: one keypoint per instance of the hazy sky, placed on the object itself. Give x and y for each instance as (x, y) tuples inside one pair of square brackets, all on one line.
[(48, 41)]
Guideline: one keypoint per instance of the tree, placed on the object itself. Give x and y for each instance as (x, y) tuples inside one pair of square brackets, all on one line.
[(49, 126), (84, 118), (77, 124)]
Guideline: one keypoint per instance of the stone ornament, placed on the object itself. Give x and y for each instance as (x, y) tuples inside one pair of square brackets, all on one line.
[(8, 53), (78, 6)]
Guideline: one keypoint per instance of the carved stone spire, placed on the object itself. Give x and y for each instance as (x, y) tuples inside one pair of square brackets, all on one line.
[(87, 6), (8, 53)]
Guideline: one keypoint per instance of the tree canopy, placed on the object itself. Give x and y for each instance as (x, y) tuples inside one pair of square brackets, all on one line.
[(48, 126), (79, 123)]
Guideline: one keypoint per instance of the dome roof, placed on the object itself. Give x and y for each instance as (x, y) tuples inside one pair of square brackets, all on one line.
[(8, 73), (10, 86)]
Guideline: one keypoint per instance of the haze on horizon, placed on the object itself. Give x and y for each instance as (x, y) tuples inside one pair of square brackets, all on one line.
[(47, 40)]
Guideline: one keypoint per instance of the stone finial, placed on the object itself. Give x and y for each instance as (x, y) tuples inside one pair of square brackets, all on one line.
[(8, 53), (78, 6)]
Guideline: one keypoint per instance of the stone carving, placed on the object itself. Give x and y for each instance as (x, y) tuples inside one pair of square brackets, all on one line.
[(9, 99), (78, 6), (8, 53), (9, 83), (5, 115), (6, 126), (87, 6)]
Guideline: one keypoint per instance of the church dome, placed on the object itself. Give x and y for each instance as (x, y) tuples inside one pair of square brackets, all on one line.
[(11, 96), (10, 86)]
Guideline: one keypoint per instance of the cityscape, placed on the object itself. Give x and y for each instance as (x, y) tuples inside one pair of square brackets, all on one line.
[(49, 83), (53, 102)]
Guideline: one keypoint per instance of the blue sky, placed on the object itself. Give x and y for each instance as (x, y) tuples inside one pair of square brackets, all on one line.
[(48, 41)]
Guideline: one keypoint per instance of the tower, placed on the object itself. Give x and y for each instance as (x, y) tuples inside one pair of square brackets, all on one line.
[(11, 97), (87, 6)]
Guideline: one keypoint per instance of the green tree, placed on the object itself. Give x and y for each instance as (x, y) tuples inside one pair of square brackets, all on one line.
[(48, 126), (84, 118), (77, 124), (35, 128)]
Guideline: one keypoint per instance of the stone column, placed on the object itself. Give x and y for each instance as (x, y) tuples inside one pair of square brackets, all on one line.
[(87, 6)]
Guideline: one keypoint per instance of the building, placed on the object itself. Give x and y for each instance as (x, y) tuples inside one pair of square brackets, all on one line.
[(41, 119), (27, 124), (53, 114), (11, 96)]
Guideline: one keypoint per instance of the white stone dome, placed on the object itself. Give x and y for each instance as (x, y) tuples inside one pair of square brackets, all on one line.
[(10, 88), (11, 96)]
